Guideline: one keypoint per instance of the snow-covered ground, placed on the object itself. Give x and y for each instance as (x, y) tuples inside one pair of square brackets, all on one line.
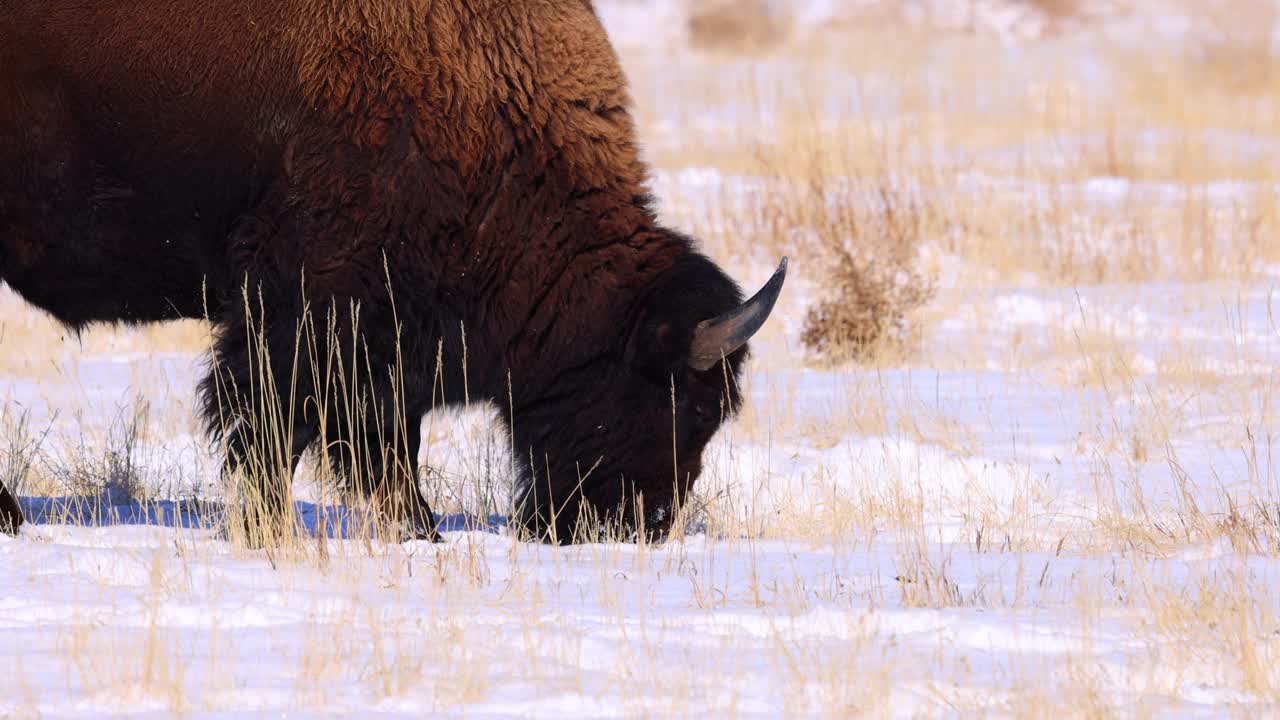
[(921, 540), (1064, 502)]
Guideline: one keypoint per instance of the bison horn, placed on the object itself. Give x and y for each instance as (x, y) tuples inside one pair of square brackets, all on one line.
[(719, 336)]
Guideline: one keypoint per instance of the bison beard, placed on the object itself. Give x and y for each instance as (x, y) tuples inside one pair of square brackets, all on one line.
[(449, 191)]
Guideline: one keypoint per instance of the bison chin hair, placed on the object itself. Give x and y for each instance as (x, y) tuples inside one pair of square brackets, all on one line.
[(618, 457)]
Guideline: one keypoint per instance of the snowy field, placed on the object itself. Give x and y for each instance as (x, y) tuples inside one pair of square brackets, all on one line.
[(1053, 493)]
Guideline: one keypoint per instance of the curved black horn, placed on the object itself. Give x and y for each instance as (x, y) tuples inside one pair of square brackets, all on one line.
[(715, 338)]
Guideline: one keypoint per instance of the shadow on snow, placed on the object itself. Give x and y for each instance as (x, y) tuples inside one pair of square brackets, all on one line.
[(335, 521)]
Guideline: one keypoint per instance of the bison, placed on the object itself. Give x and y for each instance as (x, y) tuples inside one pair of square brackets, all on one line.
[(452, 186)]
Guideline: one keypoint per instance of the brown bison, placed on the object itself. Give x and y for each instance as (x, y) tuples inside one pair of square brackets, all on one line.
[(453, 186)]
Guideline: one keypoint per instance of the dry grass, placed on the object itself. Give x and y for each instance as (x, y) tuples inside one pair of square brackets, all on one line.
[(993, 162), (33, 345), (865, 309), (744, 26), (22, 449)]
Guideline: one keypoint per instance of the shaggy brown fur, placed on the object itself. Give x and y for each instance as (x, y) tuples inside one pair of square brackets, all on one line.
[(477, 157)]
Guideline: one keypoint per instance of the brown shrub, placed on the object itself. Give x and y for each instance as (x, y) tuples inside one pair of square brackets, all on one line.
[(866, 307), (868, 238), (737, 25)]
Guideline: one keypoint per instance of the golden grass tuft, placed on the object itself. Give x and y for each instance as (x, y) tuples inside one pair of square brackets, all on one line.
[(865, 308), (739, 26)]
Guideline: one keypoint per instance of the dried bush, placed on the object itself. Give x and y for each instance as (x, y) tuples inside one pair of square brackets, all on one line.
[(737, 25), (867, 236), (866, 309), (114, 472)]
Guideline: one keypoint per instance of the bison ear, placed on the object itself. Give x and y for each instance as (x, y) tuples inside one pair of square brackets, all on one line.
[(655, 343), (662, 326)]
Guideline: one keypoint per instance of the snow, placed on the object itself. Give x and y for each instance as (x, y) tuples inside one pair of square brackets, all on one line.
[(151, 612)]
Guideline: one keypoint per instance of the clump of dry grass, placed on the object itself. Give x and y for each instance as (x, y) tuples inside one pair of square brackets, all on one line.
[(867, 306), (113, 472), (737, 25), (867, 239), (19, 450)]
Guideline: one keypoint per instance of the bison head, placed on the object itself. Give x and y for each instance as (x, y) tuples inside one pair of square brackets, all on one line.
[(620, 445)]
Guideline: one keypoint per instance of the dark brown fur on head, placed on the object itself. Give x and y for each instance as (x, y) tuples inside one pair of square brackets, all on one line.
[(631, 424), (456, 166)]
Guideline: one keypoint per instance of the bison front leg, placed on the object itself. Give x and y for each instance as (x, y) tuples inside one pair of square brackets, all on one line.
[(254, 398), (385, 470), (10, 512), (398, 497), (263, 457)]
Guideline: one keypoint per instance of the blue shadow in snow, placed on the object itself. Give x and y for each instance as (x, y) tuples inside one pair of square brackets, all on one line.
[(335, 521)]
